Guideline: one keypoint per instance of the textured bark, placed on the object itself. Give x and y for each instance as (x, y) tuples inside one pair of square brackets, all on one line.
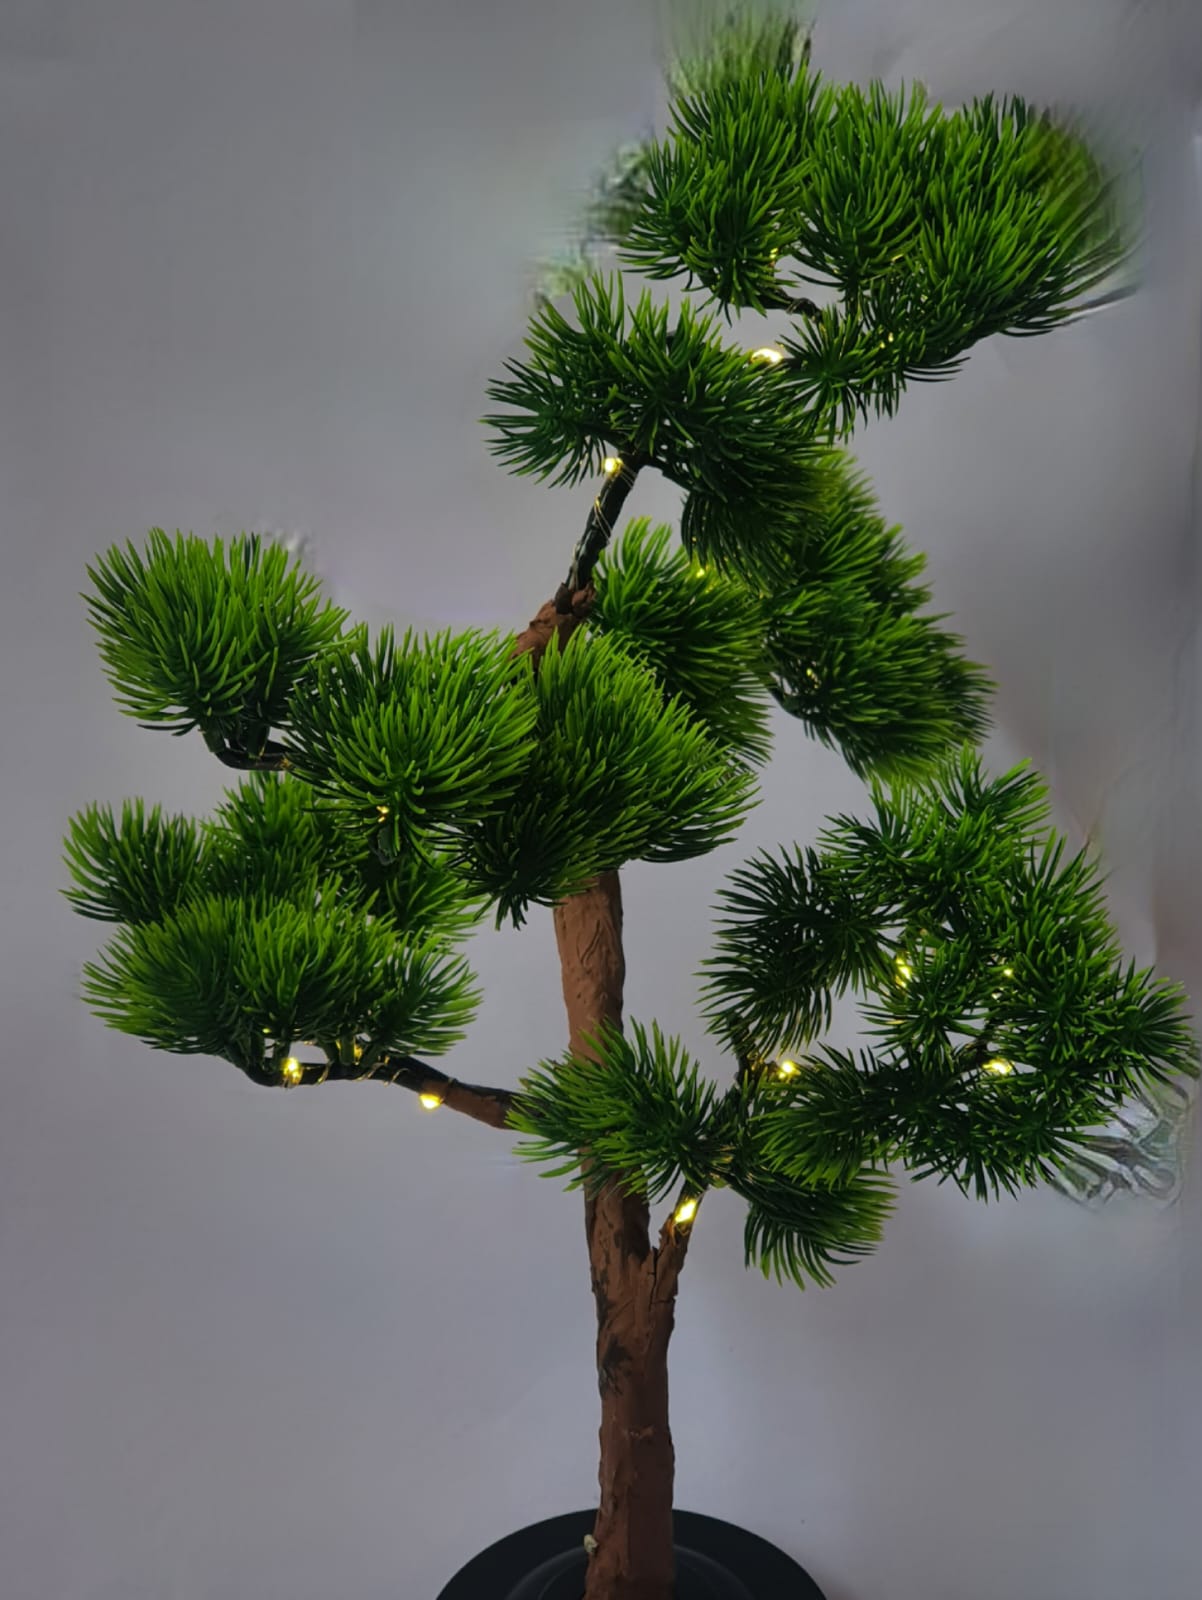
[(634, 1285), (634, 1288), (562, 615)]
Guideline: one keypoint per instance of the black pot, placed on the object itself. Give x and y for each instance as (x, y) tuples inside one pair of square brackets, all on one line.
[(714, 1561)]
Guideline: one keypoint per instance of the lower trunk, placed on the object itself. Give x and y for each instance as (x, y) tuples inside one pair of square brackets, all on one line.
[(633, 1558), (634, 1287)]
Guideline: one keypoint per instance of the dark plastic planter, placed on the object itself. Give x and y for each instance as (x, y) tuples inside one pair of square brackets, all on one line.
[(714, 1561)]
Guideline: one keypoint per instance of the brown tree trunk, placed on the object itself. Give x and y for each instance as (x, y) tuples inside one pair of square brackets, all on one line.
[(634, 1287), (634, 1284)]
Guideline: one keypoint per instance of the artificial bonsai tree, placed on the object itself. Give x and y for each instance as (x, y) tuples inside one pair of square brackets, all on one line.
[(397, 792)]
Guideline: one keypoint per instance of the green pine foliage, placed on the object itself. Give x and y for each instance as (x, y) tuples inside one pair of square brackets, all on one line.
[(639, 1105), (411, 740), (840, 640), (1008, 1026), (723, 195), (701, 413), (219, 973), (134, 870), (422, 783), (937, 230), (618, 773), (848, 650), (270, 833), (195, 636), (700, 631), (799, 1230), (651, 1123), (268, 919)]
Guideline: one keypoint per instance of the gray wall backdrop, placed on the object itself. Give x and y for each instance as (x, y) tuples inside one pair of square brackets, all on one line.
[(259, 259)]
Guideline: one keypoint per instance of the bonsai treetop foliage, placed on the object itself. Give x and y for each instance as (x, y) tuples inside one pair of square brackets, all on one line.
[(398, 791)]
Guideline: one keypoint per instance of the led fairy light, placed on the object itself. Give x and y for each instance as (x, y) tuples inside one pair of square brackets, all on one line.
[(611, 466), (768, 354), (1007, 972), (999, 1068), (685, 1212), (904, 970), (430, 1102), (292, 1070), (787, 1069)]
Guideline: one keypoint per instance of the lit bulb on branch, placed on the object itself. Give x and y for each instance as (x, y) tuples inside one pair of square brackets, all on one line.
[(999, 1068), (611, 465), (768, 354), (685, 1212), (430, 1102), (292, 1070), (904, 970), (787, 1069)]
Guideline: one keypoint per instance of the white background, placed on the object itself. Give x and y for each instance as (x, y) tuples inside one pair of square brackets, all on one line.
[(259, 259)]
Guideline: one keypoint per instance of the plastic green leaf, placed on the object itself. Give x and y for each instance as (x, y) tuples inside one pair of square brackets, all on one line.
[(272, 833), (699, 632), (409, 739), (135, 870), (646, 1118), (615, 775), (793, 1232), (220, 973), (847, 648), (798, 935), (1009, 1030), (197, 636), (702, 413)]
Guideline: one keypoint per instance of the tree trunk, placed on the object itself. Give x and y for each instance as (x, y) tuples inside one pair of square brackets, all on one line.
[(634, 1287)]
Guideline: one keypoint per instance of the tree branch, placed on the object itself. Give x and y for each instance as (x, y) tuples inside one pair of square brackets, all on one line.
[(270, 759), (490, 1106), (778, 300), (599, 527), (670, 1254)]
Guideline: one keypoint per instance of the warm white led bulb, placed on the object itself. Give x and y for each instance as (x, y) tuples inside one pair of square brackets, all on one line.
[(685, 1211), (786, 1069), (293, 1071), (430, 1101), (610, 465), (999, 1068), (769, 354)]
